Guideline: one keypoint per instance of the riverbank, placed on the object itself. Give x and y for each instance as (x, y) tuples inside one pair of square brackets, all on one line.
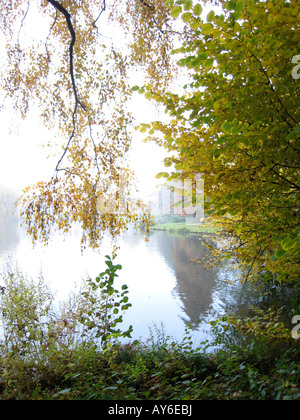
[(163, 371), (184, 228), (73, 352)]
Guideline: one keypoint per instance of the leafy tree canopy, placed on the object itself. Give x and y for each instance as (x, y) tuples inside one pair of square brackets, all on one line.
[(238, 124), (236, 120), (63, 59)]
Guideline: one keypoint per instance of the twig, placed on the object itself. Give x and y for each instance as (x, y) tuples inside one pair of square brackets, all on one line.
[(67, 16), (98, 17), (52, 26), (22, 22), (70, 139)]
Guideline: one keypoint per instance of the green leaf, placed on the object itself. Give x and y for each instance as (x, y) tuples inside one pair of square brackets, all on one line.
[(64, 391), (207, 28), (226, 127), (203, 56), (194, 24), (231, 5), (210, 16), (175, 11), (208, 63), (196, 62), (222, 139), (197, 9), (288, 243), (235, 130), (188, 4), (186, 17), (280, 253), (240, 5), (162, 174), (134, 88), (169, 4)]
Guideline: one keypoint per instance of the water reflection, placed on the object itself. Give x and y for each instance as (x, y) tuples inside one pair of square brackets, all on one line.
[(166, 284), (194, 283), (9, 234)]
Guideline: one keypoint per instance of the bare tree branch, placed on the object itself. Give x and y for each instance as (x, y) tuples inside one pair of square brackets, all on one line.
[(70, 139), (22, 22), (67, 16), (46, 43), (98, 17)]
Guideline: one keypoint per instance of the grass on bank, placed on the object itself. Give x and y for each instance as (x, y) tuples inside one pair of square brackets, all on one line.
[(74, 352), (183, 228)]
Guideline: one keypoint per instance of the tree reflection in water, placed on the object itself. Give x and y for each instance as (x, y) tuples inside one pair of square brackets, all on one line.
[(195, 283)]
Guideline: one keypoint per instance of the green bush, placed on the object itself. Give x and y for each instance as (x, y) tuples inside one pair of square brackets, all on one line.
[(42, 344), (74, 352)]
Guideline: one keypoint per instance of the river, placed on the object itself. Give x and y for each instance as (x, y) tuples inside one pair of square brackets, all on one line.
[(167, 284)]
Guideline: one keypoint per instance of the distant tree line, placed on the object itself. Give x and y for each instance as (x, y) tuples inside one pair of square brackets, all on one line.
[(8, 199)]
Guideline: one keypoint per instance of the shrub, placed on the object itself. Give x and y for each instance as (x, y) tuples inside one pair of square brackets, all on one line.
[(41, 344)]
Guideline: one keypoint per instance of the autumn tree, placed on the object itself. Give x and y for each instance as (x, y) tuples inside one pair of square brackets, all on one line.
[(236, 122), (64, 60)]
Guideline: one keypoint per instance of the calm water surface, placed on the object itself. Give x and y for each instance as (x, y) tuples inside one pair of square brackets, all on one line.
[(166, 284)]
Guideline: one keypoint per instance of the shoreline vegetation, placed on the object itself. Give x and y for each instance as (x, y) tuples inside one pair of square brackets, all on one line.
[(80, 351), (183, 228), (221, 78)]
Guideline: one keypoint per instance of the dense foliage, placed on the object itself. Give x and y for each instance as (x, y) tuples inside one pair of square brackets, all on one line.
[(63, 65), (237, 124), (48, 353), (233, 118)]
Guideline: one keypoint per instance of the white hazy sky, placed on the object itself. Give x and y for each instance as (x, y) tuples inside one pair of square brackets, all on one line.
[(23, 153), (23, 159)]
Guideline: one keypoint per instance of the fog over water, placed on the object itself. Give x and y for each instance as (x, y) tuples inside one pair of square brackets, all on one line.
[(166, 284)]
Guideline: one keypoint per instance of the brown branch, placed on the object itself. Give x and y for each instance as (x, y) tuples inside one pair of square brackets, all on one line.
[(98, 17), (22, 21), (153, 10), (70, 139), (151, 7), (270, 83), (48, 36), (297, 187), (67, 16)]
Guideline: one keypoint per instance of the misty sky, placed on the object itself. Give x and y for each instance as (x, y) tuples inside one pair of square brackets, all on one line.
[(23, 144), (24, 154)]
